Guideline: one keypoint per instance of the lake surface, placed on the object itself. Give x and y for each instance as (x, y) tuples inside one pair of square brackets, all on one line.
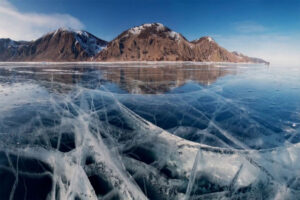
[(140, 131)]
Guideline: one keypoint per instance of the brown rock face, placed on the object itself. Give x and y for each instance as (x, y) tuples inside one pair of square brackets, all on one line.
[(155, 42), (206, 49), (61, 45)]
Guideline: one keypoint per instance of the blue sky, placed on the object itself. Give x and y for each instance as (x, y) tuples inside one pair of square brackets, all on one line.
[(268, 29)]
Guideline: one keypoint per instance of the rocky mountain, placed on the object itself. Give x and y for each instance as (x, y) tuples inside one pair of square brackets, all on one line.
[(148, 42), (9, 48), (59, 45), (156, 42), (153, 42)]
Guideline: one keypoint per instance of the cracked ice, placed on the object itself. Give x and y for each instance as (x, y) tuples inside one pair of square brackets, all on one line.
[(149, 132)]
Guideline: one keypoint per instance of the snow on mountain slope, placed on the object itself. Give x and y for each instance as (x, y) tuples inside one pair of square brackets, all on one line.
[(89, 42)]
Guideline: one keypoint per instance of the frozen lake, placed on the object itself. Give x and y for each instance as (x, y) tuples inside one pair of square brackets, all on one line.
[(140, 131)]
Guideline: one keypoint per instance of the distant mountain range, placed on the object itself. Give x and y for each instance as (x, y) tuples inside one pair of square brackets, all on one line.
[(148, 42)]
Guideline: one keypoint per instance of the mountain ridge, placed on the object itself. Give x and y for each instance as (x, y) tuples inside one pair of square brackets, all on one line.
[(147, 42)]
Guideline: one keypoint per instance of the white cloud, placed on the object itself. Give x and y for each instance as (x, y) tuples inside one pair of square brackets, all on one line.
[(28, 26), (276, 48)]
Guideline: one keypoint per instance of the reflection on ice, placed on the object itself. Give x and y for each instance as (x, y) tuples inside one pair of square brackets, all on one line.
[(135, 80), (78, 133)]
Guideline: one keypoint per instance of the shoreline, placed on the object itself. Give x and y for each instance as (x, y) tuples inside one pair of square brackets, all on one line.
[(135, 62)]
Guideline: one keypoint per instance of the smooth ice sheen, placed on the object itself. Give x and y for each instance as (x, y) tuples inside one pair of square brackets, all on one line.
[(149, 131)]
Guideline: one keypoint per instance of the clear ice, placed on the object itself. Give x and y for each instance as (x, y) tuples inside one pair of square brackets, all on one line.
[(126, 131)]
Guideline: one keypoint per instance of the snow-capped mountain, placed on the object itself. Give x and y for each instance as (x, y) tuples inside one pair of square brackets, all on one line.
[(147, 42), (156, 42), (60, 45)]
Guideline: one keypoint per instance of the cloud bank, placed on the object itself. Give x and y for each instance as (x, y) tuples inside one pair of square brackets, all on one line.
[(29, 26)]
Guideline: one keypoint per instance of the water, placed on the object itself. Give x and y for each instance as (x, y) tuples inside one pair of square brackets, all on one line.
[(138, 131)]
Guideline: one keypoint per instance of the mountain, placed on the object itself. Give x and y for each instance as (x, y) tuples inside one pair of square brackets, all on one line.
[(9, 48), (148, 42), (156, 42), (59, 45)]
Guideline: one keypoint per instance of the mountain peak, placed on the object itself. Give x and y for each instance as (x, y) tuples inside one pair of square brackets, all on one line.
[(60, 30), (155, 29), (210, 39), (68, 30), (138, 29), (205, 38), (87, 42)]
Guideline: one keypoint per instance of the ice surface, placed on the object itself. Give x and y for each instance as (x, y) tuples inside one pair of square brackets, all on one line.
[(159, 132)]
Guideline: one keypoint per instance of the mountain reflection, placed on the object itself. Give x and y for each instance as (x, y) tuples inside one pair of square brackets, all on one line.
[(157, 80), (132, 79)]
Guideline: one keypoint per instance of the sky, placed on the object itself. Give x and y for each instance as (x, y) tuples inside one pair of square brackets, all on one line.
[(269, 29)]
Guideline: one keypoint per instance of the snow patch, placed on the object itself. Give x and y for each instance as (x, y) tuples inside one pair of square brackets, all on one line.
[(160, 27), (174, 35), (89, 43), (137, 30), (82, 33), (210, 39)]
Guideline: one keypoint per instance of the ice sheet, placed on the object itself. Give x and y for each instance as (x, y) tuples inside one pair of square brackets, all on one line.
[(198, 134)]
